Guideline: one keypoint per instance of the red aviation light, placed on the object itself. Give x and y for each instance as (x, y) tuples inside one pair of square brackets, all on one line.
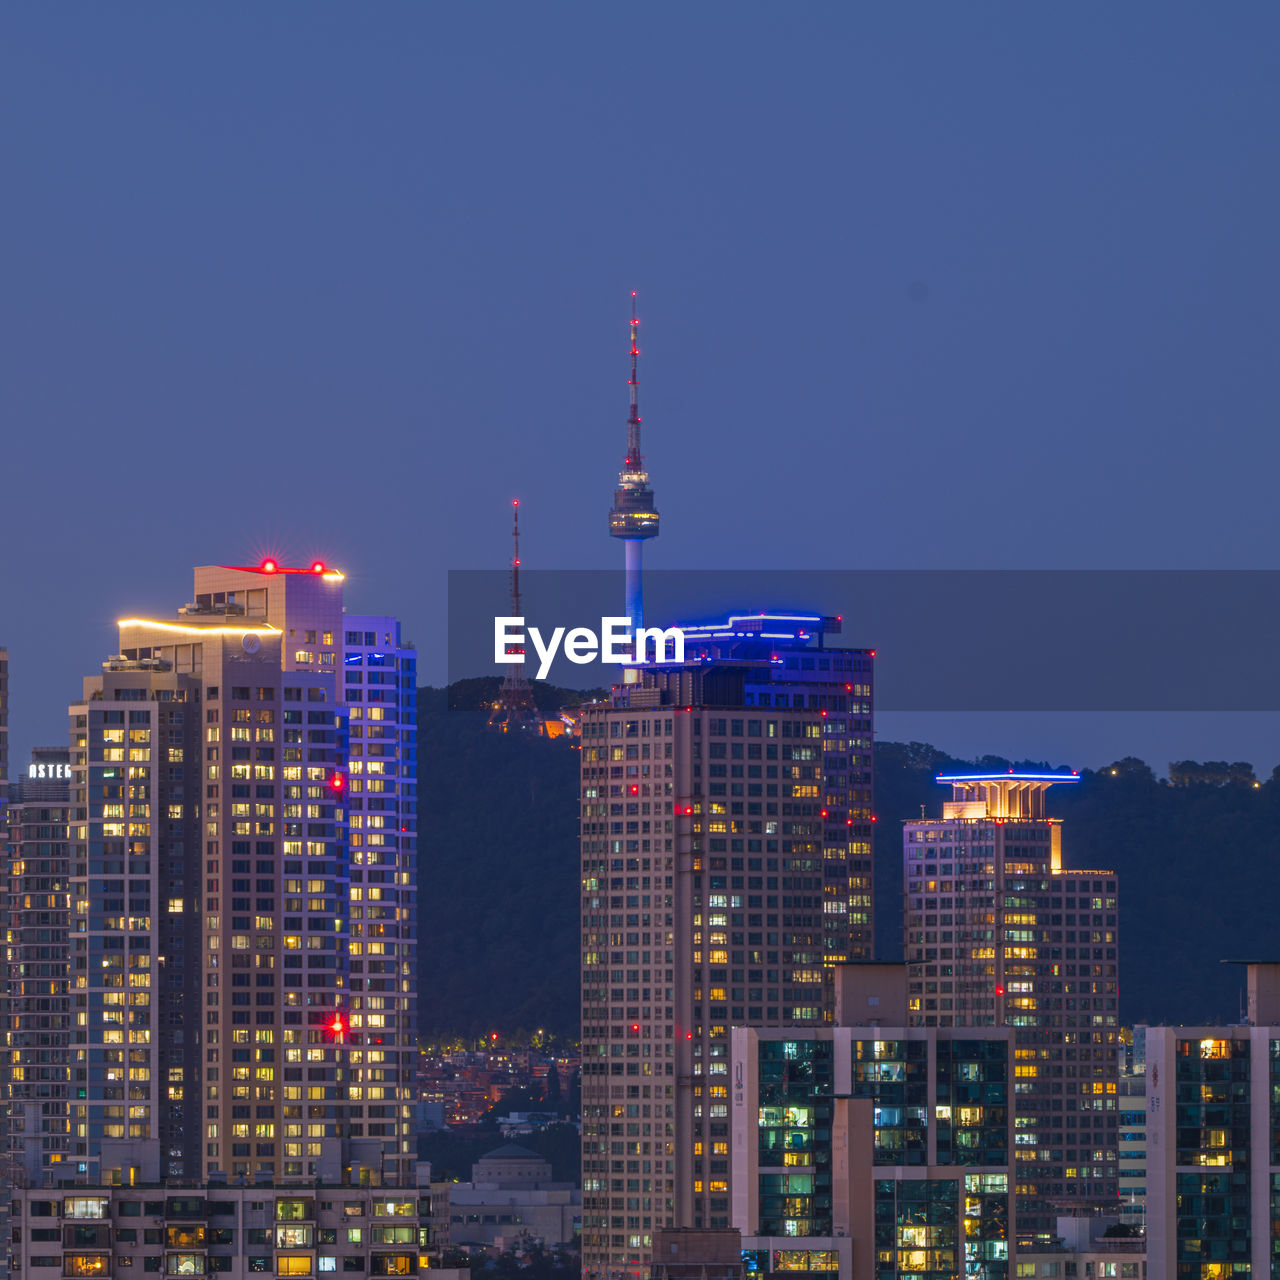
[(336, 1028), (318, 567), (337, 783), (848, 822), (635, 790), (824, 813), (635, 1028), (268, 566), (999, 988)]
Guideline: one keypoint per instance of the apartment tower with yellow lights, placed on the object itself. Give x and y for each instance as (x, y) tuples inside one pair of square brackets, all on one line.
[(1000, 933), (241, 946), (726, 867)]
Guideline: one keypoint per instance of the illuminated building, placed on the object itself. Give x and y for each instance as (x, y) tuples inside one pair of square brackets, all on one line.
[(871, 1148), (233, 1231), (34, 1008), (633, 518), (242, 962), (726, 865), (1132, 1063), (1000, 933), (1213, 1142)]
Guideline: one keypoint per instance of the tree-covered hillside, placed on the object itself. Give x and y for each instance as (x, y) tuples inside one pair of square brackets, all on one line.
[(498, 888)]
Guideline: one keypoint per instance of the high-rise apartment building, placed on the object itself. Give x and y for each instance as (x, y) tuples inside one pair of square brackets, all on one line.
[(871, 1148), (726, 864), (241, 938), (34, 1009), (1213, 1142), (1000, 933)]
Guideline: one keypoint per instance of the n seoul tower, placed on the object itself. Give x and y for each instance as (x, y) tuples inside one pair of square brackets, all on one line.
[(633, 518)]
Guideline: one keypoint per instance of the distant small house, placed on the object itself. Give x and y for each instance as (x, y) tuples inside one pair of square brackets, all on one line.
[(511, 1197)]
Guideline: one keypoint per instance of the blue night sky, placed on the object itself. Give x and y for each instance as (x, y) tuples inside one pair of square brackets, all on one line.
[(921, 286)]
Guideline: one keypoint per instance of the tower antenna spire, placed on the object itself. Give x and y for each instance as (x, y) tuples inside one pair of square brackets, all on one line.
[(514, 707), (634, 517), (515, 559), (634, 462)]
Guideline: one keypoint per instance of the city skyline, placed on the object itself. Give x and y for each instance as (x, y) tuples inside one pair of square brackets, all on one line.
[(987, 318), (957, 333)]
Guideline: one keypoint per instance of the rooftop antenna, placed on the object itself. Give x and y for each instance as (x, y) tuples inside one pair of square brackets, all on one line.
[(514, 707)]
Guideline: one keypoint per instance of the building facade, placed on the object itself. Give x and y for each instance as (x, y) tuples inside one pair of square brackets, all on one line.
[(1106, 1246), (875, 1150), (234, 1231), (241, 958), (511, 1201), (1000, 933), (1213, 1142), (34, 997), (726, 864), (1133, 1116)]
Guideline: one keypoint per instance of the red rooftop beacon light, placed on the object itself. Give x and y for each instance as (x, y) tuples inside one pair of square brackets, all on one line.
[(337, 1028), (318, 567), (268, 566), (337, 782)]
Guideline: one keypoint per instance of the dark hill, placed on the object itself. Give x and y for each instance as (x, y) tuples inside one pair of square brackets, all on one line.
[(499, 869)]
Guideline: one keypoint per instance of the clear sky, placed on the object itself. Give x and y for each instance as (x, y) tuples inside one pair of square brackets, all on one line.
[(926, 285)]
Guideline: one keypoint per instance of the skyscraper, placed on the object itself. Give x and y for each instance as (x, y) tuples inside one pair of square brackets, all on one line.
[(726, 863), (869, 1148), (1000, 933), (34, 1002), (242, 903)]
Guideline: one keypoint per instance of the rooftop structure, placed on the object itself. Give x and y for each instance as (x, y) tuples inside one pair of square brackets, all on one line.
[(1000, 933)]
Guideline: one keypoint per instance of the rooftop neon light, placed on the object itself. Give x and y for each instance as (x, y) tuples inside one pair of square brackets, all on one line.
[(728, 625), (317, 569), (1009, 776), (184, 628)]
